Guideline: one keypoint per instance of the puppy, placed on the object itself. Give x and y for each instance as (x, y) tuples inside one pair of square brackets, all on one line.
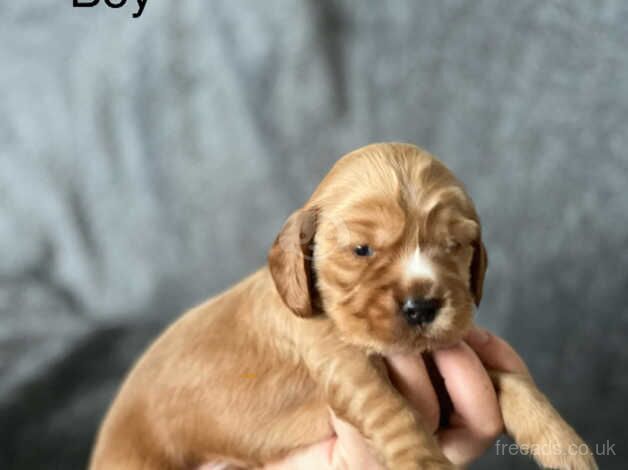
[(386, 257)]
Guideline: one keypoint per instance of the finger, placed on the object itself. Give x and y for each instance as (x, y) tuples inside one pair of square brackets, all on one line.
[(410, 377), (351, 450), (315, 457), (347, 450), (460, 445), (470, 389), (477, 419), (494, 352)]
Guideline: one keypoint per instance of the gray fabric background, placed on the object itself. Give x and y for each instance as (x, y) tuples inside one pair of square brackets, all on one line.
[(146, 164)]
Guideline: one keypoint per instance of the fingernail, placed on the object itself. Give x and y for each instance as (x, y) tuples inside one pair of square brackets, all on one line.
[(478, 335)]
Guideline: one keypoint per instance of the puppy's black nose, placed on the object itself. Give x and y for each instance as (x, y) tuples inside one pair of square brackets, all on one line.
[(419, 311)]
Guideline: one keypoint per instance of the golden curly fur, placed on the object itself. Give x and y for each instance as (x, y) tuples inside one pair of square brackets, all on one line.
[(249, 375)]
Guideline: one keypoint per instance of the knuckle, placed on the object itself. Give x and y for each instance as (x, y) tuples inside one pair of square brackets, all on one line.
[(433, 419), (429, 418), (491, 428)]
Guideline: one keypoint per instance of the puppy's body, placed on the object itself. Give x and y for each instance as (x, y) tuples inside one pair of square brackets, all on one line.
[(385, 257), (223, 383)]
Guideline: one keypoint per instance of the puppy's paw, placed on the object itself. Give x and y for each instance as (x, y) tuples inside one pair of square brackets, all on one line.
[(431, 462), (559, 447), (438, 466), (434, 463), (537, 427), (568, 462)]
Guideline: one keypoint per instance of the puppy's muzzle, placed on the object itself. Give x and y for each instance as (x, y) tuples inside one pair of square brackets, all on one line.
[(419, 311)]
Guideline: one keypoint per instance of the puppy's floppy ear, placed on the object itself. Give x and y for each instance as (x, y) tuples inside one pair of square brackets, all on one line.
[(479, 263), (290, 262)]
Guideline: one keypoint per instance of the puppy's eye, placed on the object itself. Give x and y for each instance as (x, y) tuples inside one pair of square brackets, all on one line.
[(363, 250), (452, 246)]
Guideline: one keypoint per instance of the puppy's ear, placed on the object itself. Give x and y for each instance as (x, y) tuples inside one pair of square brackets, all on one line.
[(479, 263), (290, 262)]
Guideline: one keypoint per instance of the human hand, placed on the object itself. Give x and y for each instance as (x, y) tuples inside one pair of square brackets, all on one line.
[(476, 420), (473, 426)]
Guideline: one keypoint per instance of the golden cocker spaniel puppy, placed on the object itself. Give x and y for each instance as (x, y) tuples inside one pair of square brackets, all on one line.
[(385, 257)]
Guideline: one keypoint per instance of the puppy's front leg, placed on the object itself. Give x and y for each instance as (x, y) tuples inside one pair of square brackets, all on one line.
[(360, 393), (531, 420)]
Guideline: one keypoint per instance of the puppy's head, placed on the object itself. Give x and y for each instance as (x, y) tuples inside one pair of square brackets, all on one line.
[(389, 247)]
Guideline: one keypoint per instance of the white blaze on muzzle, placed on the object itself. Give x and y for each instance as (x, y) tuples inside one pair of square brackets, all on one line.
[(418, 266)]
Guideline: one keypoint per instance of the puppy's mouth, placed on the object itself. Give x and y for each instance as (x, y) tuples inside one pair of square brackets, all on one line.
[(432, 343), (448, 327)]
